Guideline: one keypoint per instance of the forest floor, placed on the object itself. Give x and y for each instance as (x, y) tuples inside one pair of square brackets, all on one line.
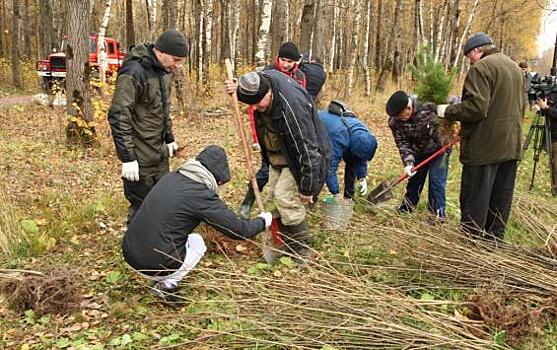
[(387, 281)]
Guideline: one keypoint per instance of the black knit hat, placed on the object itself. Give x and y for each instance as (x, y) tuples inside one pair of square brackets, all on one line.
[(289, 50), (173, 43), (252, 87), (397, 102), (476, 40)]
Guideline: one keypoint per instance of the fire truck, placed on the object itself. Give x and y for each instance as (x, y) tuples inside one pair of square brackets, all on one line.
[(52, 70)]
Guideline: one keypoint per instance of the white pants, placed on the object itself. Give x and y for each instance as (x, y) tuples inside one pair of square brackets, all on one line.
[(195, 249)]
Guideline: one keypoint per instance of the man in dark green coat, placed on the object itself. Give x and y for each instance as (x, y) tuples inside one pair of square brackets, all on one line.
[(491, 126), (139, 114)]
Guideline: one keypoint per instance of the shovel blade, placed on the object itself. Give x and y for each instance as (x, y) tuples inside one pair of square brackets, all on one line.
[(381, 193)]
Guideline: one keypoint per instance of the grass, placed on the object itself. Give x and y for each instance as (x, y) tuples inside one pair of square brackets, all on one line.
[(385, 281)]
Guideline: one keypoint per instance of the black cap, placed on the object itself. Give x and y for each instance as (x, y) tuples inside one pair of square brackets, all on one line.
[(252, 87), (214, 159), (476, 40), (289, 50), (173, 43), (397, 102)]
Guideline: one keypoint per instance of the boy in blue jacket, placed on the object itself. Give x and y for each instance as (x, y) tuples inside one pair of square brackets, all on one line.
[(352, 142)]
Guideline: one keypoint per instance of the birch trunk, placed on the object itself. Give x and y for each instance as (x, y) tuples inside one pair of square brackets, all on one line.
[(365, 62), (431, 21), (333, 37), (457, 61), (396, 34), (354, 46), (152, 6), (200, 53), (208, 42), (437, 40), (102, 58), (234, 14), (261, 54)]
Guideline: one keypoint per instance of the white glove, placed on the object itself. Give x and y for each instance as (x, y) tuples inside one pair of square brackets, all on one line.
[(130, 171), (441, 110), (172, 147), (268, 217), (408, 170), (363, 186)]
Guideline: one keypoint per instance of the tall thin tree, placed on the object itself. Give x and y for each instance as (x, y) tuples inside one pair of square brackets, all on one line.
[(261, 54), (130, 29), (16, 74)]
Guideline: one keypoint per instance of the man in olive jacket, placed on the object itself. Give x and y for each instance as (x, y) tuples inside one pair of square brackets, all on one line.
[(491, 126), (139, 114)]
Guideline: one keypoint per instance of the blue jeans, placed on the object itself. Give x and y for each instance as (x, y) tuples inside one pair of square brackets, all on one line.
[(438, 170)]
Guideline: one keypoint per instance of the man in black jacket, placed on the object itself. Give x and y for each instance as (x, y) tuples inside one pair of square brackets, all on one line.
[(295, 144), (139, 114), (159, 243), (548, 108)]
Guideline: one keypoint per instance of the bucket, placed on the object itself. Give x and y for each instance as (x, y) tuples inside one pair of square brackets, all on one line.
[(336, 215)]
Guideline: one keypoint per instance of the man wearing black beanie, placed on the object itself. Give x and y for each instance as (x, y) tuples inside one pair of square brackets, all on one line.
[(139, 116)]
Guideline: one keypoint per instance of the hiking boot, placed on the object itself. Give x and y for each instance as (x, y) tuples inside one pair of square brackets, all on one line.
[(167, 295), (297, 241), (247, 203)]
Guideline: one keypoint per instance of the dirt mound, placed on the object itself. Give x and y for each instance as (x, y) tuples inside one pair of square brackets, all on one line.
[(52, 291)]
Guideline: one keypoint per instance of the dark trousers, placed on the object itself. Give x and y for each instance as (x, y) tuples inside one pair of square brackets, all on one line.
[(262, 175), (349, 175), (486, 194), (136, 191), (437, 170)]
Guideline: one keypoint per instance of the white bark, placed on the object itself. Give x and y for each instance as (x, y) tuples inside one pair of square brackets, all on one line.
[(153, 18), (102, 57), (262, 38), (333, 37), (366, 48), (440, 31), (234, 15), (200, 43), (355, 44), (465, 32), (431, 26), (208, 30)]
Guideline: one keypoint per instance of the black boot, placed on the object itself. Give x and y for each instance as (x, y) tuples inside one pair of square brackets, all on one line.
[(297, 241), (247, 203)]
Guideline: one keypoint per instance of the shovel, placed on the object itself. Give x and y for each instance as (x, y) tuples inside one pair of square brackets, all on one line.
[(268, 238), (382, 193)]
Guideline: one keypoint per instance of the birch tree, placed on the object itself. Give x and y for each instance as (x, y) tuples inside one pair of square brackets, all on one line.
[(208, 36), (365, 63), (152, 7), (354, 46), (263, 34), (234, 24), (16, 74), (79, 129), (200, 53), (334, 35), (457, 60), (102, 57)]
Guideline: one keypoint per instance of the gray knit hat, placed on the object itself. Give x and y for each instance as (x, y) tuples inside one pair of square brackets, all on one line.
[(476, 40), (252, 87), (173, 43)]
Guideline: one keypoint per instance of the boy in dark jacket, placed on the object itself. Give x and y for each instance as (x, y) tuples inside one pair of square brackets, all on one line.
[(352, 142), (159, 243), (295, 144), (416, 132)]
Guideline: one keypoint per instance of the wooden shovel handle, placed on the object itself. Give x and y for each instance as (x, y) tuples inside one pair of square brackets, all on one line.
[(247, 154)]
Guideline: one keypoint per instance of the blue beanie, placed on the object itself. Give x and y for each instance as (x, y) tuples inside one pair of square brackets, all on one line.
[(362, 144)]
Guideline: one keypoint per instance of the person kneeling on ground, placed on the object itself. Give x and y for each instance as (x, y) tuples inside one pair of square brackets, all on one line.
[(160, 243), (352, 142)]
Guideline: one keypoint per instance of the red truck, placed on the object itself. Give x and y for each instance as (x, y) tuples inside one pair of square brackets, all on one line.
[(53, 68)]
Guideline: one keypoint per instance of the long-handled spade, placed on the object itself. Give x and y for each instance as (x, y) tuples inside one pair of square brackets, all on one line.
[(267, 238), (382, 192)]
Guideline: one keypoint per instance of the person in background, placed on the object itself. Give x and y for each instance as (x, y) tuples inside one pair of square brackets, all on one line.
[(527, 82), (160, 243), (490, 115), (139, 116), (548, 108), (352, 142), (416, 132)]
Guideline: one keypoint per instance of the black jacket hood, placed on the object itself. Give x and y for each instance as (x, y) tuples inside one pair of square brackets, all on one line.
[(214, 159)]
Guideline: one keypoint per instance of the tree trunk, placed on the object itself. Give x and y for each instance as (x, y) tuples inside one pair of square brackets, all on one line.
[(366, 48), (26, 31), (200, 52), (16, 74), (152, 6), (130, 30), (334, 35), (318, 42), (278, 26), (261, 54), (306, 26), (437, 41), (102, 57), (79, 129), (396, 34), (354, 46), (378, 38), (457, 60), (208, 42), (234, 16), (418, 25)]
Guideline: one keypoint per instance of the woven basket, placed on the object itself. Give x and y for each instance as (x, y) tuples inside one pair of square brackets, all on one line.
[(337, 215)]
